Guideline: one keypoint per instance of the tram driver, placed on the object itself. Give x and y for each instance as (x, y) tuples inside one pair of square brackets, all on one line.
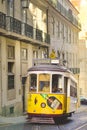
[(46, 87)]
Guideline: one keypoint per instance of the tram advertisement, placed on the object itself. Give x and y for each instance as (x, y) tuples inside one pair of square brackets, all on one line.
[(52, 101), (49, 102)]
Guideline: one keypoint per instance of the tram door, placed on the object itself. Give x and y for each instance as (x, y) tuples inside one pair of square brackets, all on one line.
[(66, 91)]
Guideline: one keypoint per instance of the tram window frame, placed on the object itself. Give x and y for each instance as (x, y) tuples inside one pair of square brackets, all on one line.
[(57, 86), (44, 82), (66, 81), (33, 82)]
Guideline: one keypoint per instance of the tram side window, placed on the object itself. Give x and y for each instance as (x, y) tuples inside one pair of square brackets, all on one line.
[(57, 83), (33, 82), (44, 83), (73, 89)]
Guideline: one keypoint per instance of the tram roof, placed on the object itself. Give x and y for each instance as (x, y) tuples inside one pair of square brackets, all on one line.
[(49, 67)]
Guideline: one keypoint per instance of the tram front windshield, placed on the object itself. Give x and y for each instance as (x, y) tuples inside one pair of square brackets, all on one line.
[(45, 82)]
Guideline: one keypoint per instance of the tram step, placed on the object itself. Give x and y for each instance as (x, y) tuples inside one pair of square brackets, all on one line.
[(41, 120)]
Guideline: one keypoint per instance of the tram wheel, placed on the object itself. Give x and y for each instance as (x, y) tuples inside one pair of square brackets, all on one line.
[(59, 120)]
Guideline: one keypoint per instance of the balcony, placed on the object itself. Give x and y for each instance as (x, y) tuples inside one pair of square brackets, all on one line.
[(66, 13), (46, 38), (75, 70), (13, 25), (39, 35), (2, 20), (28, 31), (22, 31)]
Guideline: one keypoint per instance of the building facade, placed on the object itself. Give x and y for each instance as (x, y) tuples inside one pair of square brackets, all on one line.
[(83, 67), (23, 36), (64, 28), (82, 5), (29, 31)]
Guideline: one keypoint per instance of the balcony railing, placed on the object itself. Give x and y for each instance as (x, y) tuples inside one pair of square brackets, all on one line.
[(39, 35), (14, 25), (46, 38), (28, 30), (66, 13), (75, 70), (2, 20)]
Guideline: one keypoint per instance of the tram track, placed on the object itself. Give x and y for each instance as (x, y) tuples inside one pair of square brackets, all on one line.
[(39, 122), (82, 126), (46, 127)]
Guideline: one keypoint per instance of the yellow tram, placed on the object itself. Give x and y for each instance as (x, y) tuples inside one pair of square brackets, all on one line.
[(52, 91)]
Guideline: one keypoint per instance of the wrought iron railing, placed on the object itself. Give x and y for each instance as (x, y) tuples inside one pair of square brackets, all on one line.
[(46, 38), (28, 30), (39, 35), (14, 25), (2, 20), (75, 70), (66, 13)]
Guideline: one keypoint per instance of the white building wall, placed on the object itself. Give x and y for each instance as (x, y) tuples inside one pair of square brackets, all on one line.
[(0, 89), (3, 72), (67, 42), (83, 68)]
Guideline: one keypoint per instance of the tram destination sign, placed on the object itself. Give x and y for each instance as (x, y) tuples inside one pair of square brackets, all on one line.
[(45, 61)]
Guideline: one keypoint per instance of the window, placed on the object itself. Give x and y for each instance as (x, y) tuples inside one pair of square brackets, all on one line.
[(10, 8), (11, 76), (58, 26), (35, 54), (0, 51), (33, 82), (24, 54), (53, 25), (66, 80), (10, 81), (73, 89), (11, 52), (44, 82), (63, 29), (44, 54), (57, 83), (10, 67), (63, 56), (66, 34), (69, 36), (58, 53)]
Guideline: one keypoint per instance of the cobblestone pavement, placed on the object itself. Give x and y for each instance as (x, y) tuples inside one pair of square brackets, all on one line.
[(23, 119)]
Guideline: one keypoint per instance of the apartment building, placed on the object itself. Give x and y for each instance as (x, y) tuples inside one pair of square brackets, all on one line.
[(83, 67), (64, 27), (23, 36), (82, 5), (31, 29)]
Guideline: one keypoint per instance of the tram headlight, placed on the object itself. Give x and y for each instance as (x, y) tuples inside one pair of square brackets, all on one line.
[(43, 105)]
